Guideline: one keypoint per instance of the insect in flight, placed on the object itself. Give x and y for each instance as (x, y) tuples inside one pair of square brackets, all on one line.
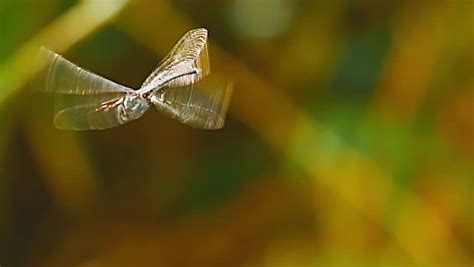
[(180, 88)]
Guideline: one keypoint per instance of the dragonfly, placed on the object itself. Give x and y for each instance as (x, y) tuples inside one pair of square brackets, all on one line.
[(181, 88)]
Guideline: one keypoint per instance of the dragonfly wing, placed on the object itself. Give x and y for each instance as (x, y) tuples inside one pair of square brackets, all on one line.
[(201, 105), (96, 114), (191, 51), (63, 77)]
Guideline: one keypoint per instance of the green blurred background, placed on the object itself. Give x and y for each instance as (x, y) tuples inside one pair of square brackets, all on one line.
[(349, 140)]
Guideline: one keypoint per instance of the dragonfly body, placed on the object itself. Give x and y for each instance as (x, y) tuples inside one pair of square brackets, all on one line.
[(180, 88), (133, 106)]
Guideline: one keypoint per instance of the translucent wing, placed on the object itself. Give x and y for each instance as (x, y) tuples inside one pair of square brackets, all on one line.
[(201, 105), (97, 112), (190, 52), (62, 76), (83, 100)]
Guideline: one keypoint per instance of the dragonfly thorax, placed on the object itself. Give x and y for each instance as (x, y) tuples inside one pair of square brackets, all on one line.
[(134, 105)]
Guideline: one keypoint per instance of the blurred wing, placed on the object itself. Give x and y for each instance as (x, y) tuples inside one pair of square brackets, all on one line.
[(190, 52), (95, 112), (63, 77), (201, 105)]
